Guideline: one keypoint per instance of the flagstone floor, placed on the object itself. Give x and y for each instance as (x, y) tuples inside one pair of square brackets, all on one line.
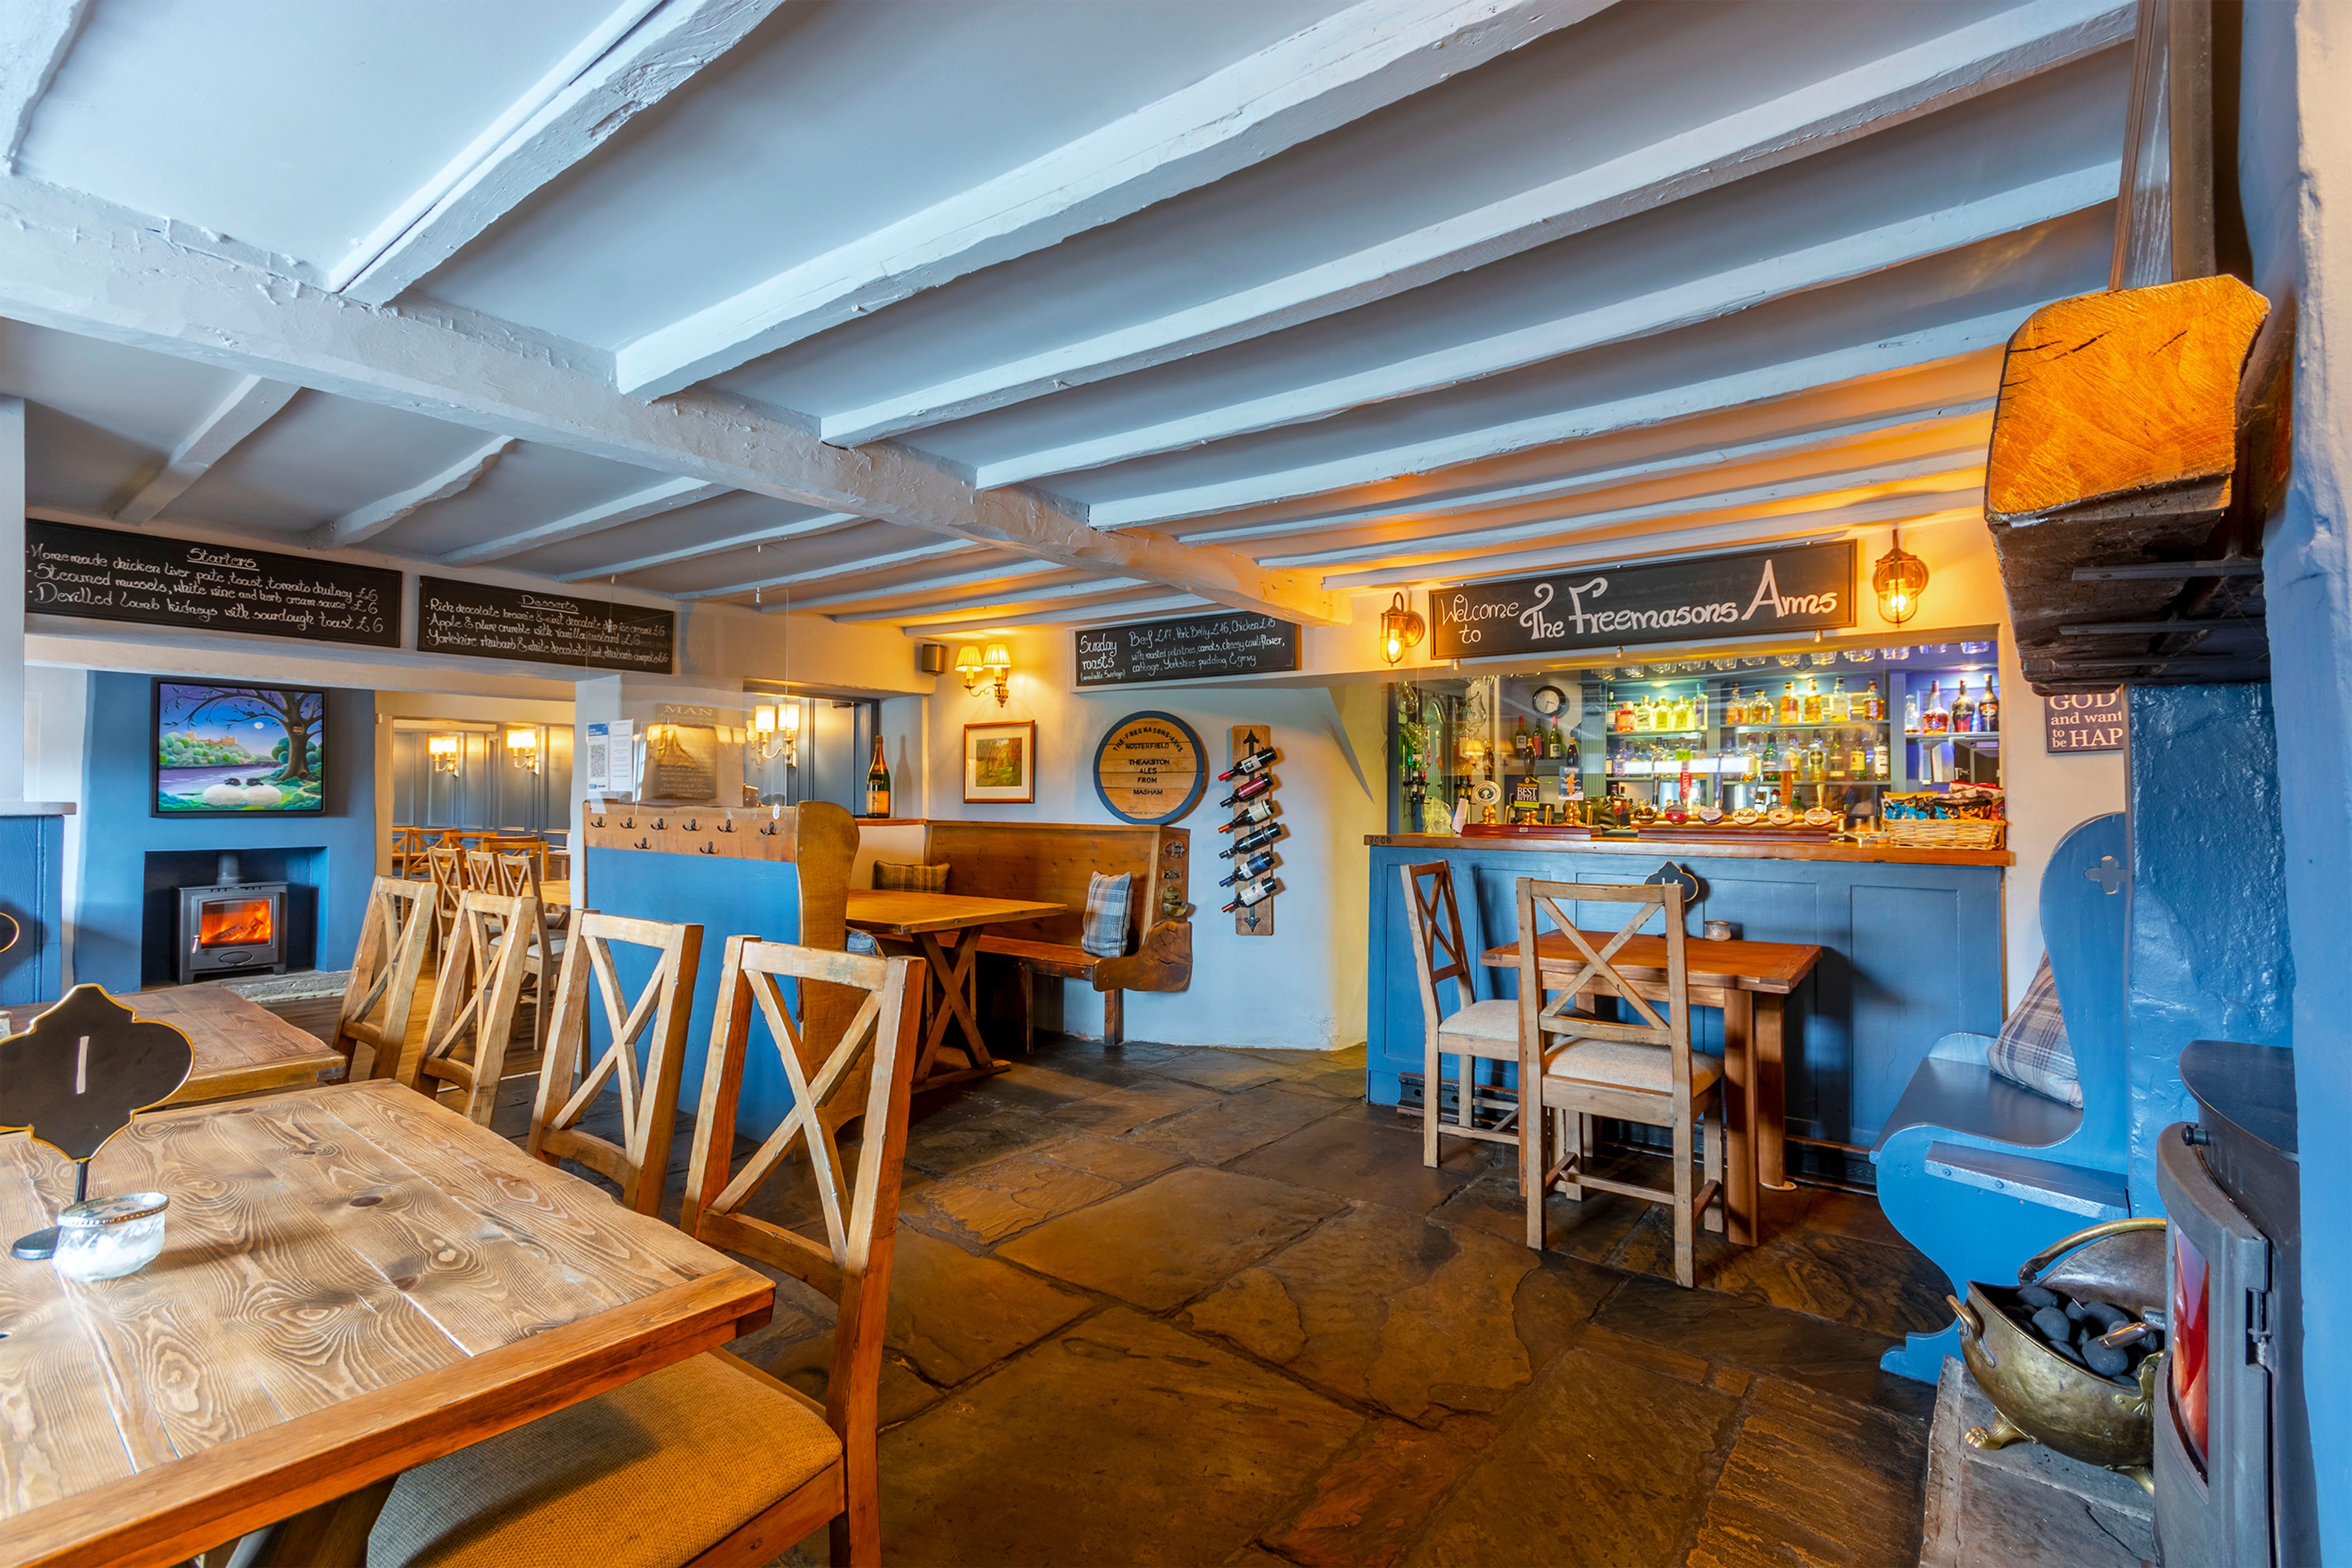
[(1161, 1306)]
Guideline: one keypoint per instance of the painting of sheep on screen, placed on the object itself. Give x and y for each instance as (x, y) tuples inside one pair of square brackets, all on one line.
[(239, 751)]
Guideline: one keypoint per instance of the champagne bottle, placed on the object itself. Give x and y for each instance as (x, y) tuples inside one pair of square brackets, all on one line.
[(877, 783), (1256, 839), (1245, 869), (1261, 758), (1249, 788), (1249, 816), (1250, 893)]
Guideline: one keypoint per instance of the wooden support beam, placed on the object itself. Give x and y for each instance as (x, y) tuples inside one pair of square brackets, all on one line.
[(639, 54), (2169, 571), (2237, 626), (1964, 64), (670, 495), (1333, 71), (1006, 603), (834, 572), (773, 533), (83, 266), (365, 523), (1683, 304), (899, 581), (35, 36), (1123, 605), (252, 403)]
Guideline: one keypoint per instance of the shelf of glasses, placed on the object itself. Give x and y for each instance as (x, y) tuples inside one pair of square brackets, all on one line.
[(1824, 724), (1965, 737)]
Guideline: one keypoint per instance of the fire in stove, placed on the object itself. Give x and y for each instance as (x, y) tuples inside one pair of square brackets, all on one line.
[(240, 923)]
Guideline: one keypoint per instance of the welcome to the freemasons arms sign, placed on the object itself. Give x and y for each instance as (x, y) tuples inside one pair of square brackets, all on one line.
[(1805, 588)]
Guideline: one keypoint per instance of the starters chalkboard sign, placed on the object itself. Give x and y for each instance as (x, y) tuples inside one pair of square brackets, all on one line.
[(101, 575), (542, 628), (1805, 588), (1199, 648)]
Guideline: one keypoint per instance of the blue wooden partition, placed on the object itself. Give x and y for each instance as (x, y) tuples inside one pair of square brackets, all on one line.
[(1911, 952), (32, 895)]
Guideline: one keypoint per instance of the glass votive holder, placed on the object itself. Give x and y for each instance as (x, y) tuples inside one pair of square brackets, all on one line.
[(107, 1238)]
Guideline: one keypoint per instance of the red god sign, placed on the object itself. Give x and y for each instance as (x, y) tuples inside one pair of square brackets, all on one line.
[(2085, 721)]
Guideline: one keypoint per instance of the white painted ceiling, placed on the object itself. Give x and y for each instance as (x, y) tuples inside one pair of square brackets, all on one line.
[(963, 313)]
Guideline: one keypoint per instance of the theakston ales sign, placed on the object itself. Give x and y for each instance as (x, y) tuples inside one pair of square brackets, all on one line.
[(1806, 588)]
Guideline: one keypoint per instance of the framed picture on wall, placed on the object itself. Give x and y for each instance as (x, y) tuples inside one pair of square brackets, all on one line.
[(1000, 763), (239, 751)]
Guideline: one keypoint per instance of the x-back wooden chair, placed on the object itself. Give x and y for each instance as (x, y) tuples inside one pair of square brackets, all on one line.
[(373, 1023), (516, 875), (473, 997), (1577, 1065), (569, 1084), (1476, 1032), (445, 865), (712, 1462)]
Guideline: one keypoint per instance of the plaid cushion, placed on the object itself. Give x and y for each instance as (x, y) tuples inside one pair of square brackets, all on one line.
[(1107, 900), (905, 877), (2031, 1051)]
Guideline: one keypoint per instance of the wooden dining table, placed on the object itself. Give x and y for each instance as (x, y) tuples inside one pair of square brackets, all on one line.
[(353, 1282), (1751, 982), (944, 928), (240, 1047)]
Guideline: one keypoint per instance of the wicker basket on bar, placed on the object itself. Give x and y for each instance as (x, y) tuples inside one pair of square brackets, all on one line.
[(1913, 834)]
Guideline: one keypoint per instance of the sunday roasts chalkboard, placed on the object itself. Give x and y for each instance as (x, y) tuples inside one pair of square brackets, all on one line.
[(107, 576), (1202, 648), (544, 629), (1806, 588)]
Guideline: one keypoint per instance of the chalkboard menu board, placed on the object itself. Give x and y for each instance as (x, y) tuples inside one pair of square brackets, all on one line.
[(1805, 588), (107, 576), (1201, 648), (542, 628), (2083, 720)]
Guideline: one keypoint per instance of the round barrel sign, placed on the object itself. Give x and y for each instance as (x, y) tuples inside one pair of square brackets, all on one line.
[(1150, 769)]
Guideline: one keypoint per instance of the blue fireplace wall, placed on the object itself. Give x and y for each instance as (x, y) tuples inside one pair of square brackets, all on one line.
[(115, 925), (32, 889)]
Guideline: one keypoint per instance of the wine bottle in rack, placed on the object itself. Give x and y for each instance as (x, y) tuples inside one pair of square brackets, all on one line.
[(1256, 840), (1249, 788), (1249, 816), (1255, 893), (1256, 761), (1256, 865)]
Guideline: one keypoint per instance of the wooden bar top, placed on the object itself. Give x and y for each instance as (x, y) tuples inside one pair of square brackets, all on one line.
[(1714, 848), (1774, 968)]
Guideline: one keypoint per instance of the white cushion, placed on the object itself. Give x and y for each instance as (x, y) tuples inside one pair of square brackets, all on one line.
[(1626, 1064), (1486, 1029)]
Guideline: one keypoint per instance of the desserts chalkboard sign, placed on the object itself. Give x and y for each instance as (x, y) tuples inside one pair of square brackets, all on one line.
[(1199, 648), (103, 575), (542, 628)]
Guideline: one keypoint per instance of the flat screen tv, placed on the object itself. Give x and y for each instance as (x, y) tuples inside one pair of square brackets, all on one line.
[(239, 751)]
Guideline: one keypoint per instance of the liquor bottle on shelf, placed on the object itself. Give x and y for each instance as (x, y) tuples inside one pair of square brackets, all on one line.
[(1621, 719), (1874, 706), (1988, 710), (1812, 704), (1520, 741), (877, 783), (1911, 714), (1879, 756), (1249, 816), (1569, 755), (1841, 707), (1698, 709), (1792, 711), (1255, 893), (1857, 756), (1816, 761), (1261, 758), (1964, 712), (1644, 718), (1936, 718), (1793, 763), (1244, 871), (1770, 760), (1256, 840), (1249, 788)]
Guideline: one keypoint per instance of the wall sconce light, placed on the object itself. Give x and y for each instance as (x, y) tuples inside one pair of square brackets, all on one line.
[(776, 732), (445, 751), (522, 750), (1401, 628), (985, 670), (1899, 579)]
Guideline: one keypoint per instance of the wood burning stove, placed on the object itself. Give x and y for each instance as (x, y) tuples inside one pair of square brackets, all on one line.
[(2234, 1484), (231, 927)]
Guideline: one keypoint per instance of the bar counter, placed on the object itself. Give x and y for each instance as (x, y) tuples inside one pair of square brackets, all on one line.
[(1911, 941)]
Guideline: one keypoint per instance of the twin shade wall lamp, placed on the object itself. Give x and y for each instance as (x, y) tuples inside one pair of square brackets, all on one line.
[(448, 751)]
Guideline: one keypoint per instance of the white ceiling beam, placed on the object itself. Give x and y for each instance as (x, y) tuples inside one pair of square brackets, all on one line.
[(252, 403), (631, 62), (670, 495), (1116, 606), (1764, 384), (82, 268), (1836, 260), (365, 523), (999, 602), (35, 36), (1338, 70), (1960, 65), (773, 533), (831, 574), (998, 571), (1933, 475), (1969, 423)]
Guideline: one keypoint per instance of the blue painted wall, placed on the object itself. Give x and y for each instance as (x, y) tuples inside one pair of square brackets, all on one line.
[(2208, 952), (114, 921), (1914, 954), (32, 893)]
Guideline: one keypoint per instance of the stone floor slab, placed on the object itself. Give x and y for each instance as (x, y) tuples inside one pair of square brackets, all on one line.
[(1109, 1158), (1232, 1125), (1003, 1198), (1815, 1481), (1121, 1441), (1816, 1351), (1164, 1242), (952, 1313), (1375, 1500), (1224, 1070), (1129, 1108), (1341, 1155), (1887, 1290), (1592, 1229)]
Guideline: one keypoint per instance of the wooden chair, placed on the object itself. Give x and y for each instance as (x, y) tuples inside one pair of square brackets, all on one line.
[(373, 1023), (712, 1462), (446, 865), (473, 1002), (1575, 1063), (409, 847), (530, 844), (516, 875), (1478, 1031), (569, 1085)]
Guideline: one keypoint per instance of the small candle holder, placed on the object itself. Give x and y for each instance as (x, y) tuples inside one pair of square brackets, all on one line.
[(108, 1239)]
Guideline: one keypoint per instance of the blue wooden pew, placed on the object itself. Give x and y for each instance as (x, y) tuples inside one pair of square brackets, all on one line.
[(1979, 1174)]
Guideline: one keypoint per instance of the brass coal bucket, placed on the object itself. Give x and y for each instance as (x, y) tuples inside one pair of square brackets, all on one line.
[(2041, 1395)]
